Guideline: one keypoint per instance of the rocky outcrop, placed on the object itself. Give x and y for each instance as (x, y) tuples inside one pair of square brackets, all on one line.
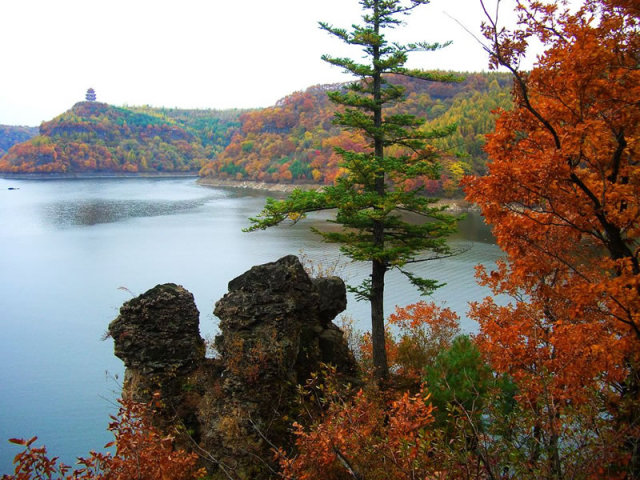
[(277, 307), (275, 329), (159, 331), (157, 337)]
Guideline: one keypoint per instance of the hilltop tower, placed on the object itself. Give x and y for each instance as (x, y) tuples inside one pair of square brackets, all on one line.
[(91, 95)]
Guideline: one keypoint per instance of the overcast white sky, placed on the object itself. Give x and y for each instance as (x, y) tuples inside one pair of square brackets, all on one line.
[(194, 53)]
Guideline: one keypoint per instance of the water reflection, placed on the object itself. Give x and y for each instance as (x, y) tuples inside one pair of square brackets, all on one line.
[(473, 228), (97, 211)]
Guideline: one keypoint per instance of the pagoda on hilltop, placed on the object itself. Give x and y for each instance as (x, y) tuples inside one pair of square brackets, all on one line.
[(91, 95)]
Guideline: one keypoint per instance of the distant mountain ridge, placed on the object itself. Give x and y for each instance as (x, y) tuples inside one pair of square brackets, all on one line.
[(290, 142), (97, 137), (11, 135)]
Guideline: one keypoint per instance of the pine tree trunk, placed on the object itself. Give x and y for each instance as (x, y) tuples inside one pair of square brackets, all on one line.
[(377, 320)]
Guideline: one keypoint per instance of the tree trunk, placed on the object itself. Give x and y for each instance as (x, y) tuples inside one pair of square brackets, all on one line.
[(377, 320)]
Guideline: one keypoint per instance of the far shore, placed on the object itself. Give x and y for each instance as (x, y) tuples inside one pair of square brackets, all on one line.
[(255, 185), (453, 204), (86, 175)]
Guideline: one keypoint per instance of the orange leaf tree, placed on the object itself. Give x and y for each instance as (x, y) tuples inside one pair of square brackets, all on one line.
[(369, 435), (562, 196), (415, 335), (142, 453)]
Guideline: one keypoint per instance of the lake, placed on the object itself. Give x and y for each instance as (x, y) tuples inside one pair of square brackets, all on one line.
[(72, 251)]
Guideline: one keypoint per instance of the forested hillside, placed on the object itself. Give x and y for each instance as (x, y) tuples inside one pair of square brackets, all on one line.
[(10, 135), (96, 137), (295, 139), (292, 141), (214, 128)]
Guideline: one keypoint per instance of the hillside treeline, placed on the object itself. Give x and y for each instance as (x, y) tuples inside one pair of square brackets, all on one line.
[(294, 140), (96, 137)]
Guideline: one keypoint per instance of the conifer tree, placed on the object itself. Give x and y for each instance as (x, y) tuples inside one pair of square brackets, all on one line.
[(373, 196)]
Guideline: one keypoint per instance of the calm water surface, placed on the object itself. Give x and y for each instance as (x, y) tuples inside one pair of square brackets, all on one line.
[(71, 251)]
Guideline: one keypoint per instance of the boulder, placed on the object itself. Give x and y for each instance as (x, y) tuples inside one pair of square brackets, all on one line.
[(159, 331)]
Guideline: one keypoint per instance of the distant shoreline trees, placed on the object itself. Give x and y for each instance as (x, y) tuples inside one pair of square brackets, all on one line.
[(293, 141)]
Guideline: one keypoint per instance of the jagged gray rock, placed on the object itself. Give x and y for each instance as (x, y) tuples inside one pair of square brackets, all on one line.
[(159, 331), (278, 306), (275, 330)]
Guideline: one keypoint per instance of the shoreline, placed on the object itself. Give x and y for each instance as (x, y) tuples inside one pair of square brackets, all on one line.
[(87, 175), (454, 205), (256, 185)]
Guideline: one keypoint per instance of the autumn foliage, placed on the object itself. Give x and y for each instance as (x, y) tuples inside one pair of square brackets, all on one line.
[(560, 395), (141, 452), (562, 196), (550, 386), (364, 435), (563, 185), (415, 335), (96, 137), (10, 135), (294, 140), (562, 191)]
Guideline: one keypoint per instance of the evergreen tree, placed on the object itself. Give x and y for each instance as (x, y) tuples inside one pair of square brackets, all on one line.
[(374, 194), (459, 382), (91, 95)]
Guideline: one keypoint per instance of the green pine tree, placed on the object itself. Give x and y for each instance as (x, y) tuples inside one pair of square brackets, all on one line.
[(372, 198)]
